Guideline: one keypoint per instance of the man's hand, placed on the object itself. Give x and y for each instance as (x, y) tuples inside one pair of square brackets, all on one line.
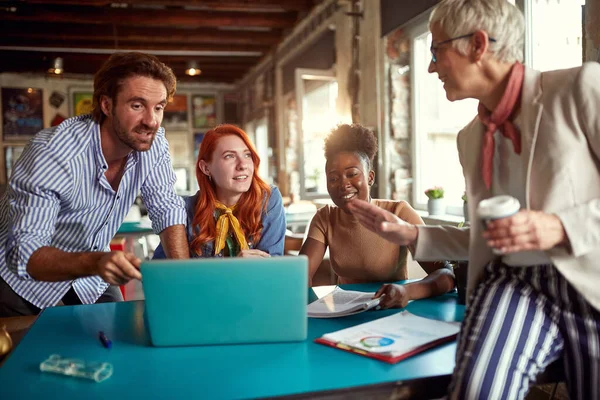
[(118, 268), (393, 296), (253, 253), (526, 230), (384, 223)]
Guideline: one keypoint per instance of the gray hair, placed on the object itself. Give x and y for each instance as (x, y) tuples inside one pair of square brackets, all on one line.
[(499, 18)]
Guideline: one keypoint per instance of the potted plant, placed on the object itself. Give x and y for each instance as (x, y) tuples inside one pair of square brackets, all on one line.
[(435, 204), (314, 177), (465, 207)]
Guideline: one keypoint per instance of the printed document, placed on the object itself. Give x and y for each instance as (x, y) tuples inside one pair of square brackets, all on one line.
[(340, 303), (392, 338)]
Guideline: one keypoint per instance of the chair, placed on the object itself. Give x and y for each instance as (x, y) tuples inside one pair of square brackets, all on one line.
[(293, 243)]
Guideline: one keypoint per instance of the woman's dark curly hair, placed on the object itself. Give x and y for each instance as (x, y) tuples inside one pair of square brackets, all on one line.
[(353, 138)]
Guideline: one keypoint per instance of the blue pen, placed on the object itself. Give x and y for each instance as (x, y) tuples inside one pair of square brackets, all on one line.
[(104, 340)]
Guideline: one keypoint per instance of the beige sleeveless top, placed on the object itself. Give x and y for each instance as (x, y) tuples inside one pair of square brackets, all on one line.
[(358, 255)]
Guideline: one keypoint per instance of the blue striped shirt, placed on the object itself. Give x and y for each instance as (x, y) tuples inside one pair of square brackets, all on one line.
[(59, 196)]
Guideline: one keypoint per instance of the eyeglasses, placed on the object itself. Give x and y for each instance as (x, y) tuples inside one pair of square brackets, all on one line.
[(434, 49)]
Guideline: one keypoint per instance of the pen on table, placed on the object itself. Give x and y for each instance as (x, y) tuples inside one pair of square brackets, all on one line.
[(104, 340)]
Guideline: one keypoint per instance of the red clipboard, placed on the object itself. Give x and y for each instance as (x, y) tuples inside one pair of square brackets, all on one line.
[(382, 356)]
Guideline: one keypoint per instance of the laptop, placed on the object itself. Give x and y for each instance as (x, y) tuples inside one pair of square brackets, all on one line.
[(213, 301)]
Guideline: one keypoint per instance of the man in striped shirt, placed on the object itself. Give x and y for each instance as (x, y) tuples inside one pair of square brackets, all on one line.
[(73, 186)]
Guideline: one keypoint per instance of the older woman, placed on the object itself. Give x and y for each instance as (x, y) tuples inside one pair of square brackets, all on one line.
[(536, 138), (235, 213), (357, 254)]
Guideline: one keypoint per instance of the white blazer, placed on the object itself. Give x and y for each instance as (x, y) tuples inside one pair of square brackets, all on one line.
[(561, 135)]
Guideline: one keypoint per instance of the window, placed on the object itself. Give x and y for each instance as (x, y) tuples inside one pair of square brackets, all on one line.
[(437, 121), (316, 99), (259, 135), (435, 126), (547, 47), (261, 142)]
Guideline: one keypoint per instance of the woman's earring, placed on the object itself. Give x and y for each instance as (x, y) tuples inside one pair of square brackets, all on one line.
[(209, 178)]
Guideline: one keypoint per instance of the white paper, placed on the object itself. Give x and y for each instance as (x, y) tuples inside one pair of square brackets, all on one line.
[(342, 302), (394, 335)]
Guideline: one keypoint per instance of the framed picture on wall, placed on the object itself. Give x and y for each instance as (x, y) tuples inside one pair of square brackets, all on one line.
[(81, 101), (22, 113), (204, 111), (175, 115)]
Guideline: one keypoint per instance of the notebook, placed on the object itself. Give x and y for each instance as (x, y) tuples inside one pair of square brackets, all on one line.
[(209, 301), (340, 303)]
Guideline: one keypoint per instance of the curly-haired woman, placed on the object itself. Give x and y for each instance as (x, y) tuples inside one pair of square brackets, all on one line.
[(358, 255)]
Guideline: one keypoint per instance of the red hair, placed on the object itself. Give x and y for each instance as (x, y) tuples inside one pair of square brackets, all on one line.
[(250, 205)]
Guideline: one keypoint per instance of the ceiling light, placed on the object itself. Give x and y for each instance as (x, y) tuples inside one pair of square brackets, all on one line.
[(192, 69), (57, 66)]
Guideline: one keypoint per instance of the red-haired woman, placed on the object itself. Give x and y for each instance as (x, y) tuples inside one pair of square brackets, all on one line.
[(235, 213)]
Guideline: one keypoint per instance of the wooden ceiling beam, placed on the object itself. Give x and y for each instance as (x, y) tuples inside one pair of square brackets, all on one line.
[(138, 46), (207, 79), (271, 5), (177, 41), (78, 69), (182, 66), (146, 17), (93, 64), (215, 74), (74, 58), (246, 29), (212, 72), (141, 35)]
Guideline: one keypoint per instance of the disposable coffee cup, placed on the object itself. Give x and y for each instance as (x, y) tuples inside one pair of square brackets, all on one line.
[(497, 207)]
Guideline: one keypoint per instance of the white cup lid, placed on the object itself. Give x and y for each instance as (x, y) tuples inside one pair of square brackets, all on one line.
[(498, 207)]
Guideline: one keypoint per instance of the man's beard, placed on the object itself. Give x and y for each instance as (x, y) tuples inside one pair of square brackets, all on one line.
[(130, 139)]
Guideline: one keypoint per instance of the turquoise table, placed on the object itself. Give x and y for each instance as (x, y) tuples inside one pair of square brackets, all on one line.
[(302, 370), (134, 228), (135, 233)]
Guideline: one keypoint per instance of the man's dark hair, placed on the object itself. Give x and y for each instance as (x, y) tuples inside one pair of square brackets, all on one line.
[(120, 66)]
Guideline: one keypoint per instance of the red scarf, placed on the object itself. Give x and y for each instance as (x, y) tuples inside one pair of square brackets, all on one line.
[(501, 119)]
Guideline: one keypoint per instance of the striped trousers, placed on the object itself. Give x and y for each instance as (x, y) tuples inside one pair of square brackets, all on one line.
[(520, 320)]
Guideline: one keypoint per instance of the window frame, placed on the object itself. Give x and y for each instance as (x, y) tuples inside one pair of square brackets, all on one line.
[(300, 75), (415, 31)]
